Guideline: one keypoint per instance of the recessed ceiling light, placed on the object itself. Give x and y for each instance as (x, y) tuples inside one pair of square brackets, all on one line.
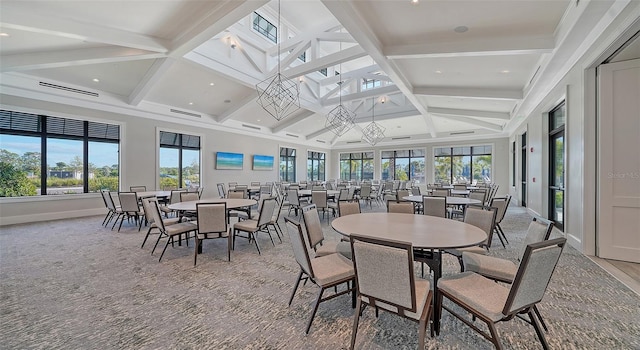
[(212, 84), (258, 120), (414, 2), (461, 29), (438, 72), (190, 103), (5, 34), (96, 80), (504, 71)]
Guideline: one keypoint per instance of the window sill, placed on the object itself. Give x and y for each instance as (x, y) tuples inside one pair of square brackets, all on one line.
[(58, 197)]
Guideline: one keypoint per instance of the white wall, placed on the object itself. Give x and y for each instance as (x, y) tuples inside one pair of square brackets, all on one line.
[(139, 160)]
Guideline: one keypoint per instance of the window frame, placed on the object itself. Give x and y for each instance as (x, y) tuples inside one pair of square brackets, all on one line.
[(289, 160), (410, 158), (181, 148), (264, 32), (351, 164), (317, 159), (451, 154)]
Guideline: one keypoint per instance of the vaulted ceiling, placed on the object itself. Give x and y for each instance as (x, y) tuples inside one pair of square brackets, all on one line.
[(437, 70)]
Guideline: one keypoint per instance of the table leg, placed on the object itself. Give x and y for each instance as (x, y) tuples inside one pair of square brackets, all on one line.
[(433, 258)]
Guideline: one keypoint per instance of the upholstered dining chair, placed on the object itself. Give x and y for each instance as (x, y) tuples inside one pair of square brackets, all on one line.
[(319, 198), (315, 235), (129, 208), (434, 206), (405, 207), (113, 210), (221, 192), (501, 203), (366, 194), (440, 192), (326, 272), (385, 280), (251, 227), (188, 196), (504, 270), (148, 213), (173, 199), (294, 200), (212, 223), (479, 194), (493, 302), (483, 218), (348, 207), (137, 188), (169, 231)]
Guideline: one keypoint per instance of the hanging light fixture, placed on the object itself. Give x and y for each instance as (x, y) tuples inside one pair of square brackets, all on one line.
[(374, 132), (340, 119), (278, 95)]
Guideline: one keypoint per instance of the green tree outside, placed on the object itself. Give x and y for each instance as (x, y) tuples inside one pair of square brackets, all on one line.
[(14, 182)]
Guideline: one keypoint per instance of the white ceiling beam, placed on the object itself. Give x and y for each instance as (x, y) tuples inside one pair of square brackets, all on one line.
[(288, 44), (377, 77), (317, 133), (394, 113), (478, 47), (356, 73), (291, 57), (236, 108), (335, 90), (472, 121), (389, 89), (499, 94), (346, 55), (337, 37), (151, 77), (67, 58), (220, 16), (363, 33), (246, 54), (14, 18), (470, 113), (290, 121)]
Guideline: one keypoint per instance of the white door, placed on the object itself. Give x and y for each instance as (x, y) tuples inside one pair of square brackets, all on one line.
[(618, 234)]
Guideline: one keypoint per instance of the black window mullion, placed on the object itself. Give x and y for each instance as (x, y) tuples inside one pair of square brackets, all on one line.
[(179, 160), (43, 156), (85, 155)]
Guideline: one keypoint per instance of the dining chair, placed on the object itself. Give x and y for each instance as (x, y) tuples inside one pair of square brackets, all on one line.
[(212, 223), (385, 279), (319, 198), (348, 208), (294, 200), (315, 235), (415, 191), (188, 196), (402, 193), (326, 272), (221, 192), (483, 218), (493, 302), (138, 188), (504, 270), (255, 183), (251, 227), (460, 187), (170, 231), (501, 203), (173, 199), (434, 206), (112, 209), (440, 192), (405, 207), (128, 208), (478, 194), (148, 213), (366, 194)]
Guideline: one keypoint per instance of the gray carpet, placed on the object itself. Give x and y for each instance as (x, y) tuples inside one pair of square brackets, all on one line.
[(76, 285)]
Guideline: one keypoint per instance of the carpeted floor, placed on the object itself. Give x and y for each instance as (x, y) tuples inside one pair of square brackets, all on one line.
[(73, 284)]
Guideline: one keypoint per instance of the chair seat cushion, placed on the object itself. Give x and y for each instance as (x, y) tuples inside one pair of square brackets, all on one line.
[(423, 288), (331, 247), (246, 225), (332, 268), (179, 228), (459, 251), (484, 296), (490, 266)]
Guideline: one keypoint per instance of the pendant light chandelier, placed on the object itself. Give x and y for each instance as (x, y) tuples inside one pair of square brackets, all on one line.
[(340, 119), (278, 95), (374, 132)]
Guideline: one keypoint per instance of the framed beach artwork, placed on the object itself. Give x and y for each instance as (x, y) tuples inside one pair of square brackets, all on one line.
[(229, 161), (262, 162)]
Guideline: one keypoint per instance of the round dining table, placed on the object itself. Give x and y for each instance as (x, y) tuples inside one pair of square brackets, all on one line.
[(159, 194), (450, 200), (429, 236), (232, 203), (307, 193)]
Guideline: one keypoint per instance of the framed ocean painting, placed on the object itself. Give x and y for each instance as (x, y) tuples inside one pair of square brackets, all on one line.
[(262, 162), (229, 161)]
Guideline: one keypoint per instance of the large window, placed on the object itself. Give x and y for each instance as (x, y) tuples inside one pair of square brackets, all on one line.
[(557, 164), (368, 84), (79, 156), (463, 164), (264, 27), (403, 165), (179, 160), (356, 166), (315, 166), (287, 164)]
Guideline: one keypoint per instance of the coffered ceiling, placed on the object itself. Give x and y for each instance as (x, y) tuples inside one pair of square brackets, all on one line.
[(444, 69)]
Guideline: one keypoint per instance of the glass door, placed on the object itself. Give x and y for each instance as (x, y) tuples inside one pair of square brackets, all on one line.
[(557, 165)]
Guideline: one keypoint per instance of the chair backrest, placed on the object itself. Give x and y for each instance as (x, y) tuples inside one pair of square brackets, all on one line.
[(388, 186), (482, 217), (175, 196), (317, 188), (138, 188), (265, 189), (232, 185), (539, 230), (500, 203), (266, 211), (221, 191), (108, 200), (480, 195), (292, 197), (331, 186), (365, 191), (533, 276), (402, 193), (255, 183), (154, 209), (128, 201), (294, 186), (405, 207), (319, 198), (315, 235), (188, 196), (344, 194), (241, 194), (434, 206), (415, 191), (348, 207), (212, 217), (384, 272), (300, 251), (352, 192), (440, 192), (147, 207), (460, 187)]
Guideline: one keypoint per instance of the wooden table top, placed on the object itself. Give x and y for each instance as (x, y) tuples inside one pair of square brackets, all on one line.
[(232, 203), (450, 200)]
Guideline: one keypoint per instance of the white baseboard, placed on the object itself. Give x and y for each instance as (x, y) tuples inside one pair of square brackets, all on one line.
[(21, 219)]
